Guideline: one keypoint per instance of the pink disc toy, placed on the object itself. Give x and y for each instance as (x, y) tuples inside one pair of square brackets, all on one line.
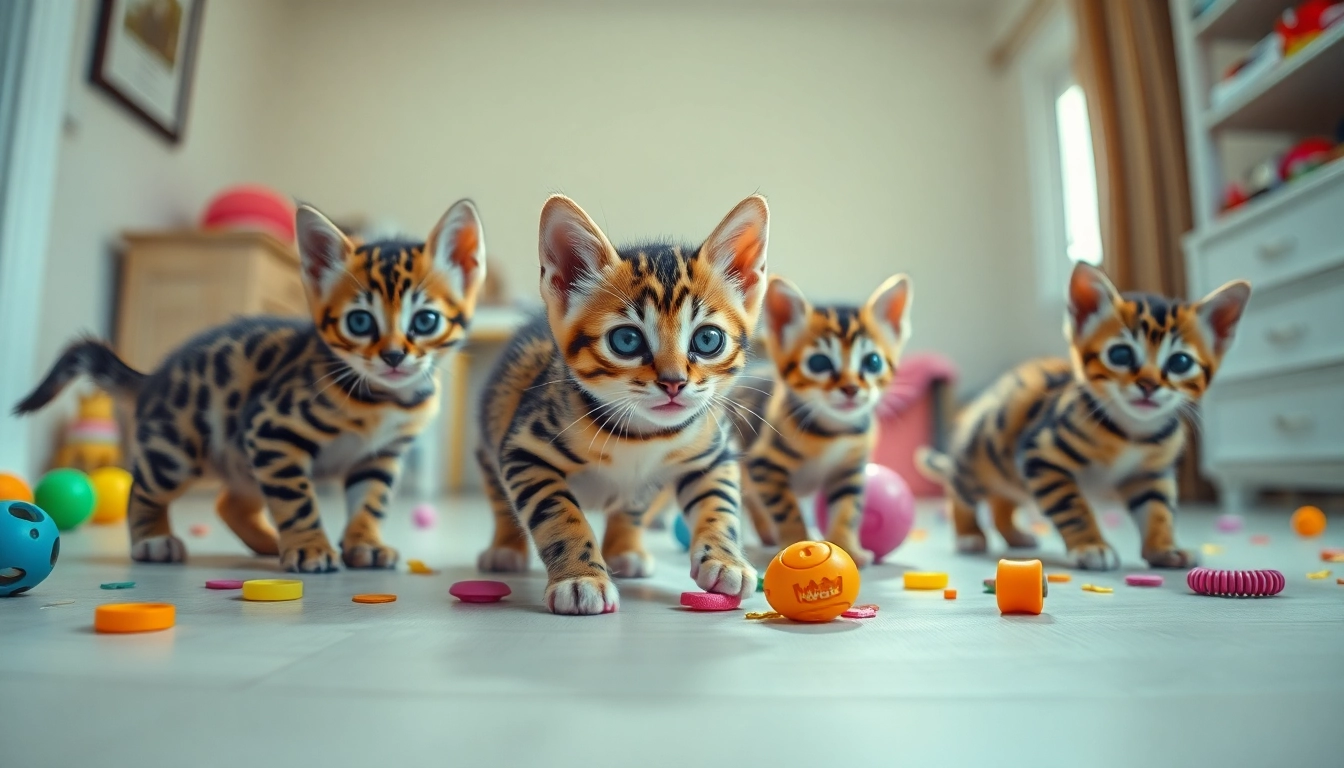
[(888, 511), (1143, 580), (709, 601), (224, 584), (1207, 581), (1229, 523), (480, 591)]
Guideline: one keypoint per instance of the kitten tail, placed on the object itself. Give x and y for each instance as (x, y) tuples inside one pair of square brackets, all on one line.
[(934, 465), (90, 358)]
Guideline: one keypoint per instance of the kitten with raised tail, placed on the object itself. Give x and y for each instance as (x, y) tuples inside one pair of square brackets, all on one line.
[(1104, 424), (271, 405), (613, 396), (810, 426)]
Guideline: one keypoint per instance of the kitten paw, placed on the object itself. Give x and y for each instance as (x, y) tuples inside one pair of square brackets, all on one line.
[(635, 564), (768, 537), (1095, 557), (502, 560), (368, 556), (971, 543), (861, 557), (310, 558), (582, 596), (1172, 558), (724, 574), (159, 549), (1020, 540)]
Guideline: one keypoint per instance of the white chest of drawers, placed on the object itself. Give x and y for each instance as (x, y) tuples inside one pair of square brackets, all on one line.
[(1274, 417)]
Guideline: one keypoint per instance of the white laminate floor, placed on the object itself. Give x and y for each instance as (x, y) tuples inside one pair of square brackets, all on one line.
[(1149, 677)]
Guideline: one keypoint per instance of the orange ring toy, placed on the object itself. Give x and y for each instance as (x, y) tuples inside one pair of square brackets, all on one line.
[(1020, 586), (134, 617)]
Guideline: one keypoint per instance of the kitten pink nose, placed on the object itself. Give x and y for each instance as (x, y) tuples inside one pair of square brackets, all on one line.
[(1147, 386), (672, 386), (850, 390), (392, 357)]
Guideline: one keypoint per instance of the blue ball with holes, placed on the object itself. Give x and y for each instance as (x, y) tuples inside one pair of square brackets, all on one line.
[(29, 546), (682, 533)]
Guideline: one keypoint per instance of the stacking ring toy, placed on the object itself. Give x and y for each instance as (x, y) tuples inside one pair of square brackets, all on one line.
[(1206, 581), (1020, 586), (134, 617), (272, 590)]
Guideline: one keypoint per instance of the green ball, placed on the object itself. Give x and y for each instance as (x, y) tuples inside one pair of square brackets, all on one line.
[(66, 495)]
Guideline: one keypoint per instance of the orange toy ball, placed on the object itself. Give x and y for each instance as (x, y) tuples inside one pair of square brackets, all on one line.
[(813, 581), (1308, 522), (12, 488)]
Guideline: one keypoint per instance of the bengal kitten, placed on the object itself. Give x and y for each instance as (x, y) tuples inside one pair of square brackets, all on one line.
[(271, 404), (832, 365), (612, 396), (1103, 424)]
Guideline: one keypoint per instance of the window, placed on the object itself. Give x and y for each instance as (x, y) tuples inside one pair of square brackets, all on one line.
[(1078, 176), (1065, 214)]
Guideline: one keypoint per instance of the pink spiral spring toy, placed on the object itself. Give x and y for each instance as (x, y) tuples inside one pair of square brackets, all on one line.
[(1207, 581)]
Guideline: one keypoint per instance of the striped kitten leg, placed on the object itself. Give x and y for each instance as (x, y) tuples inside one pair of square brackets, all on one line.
[(1003, 510), (844, 506), (760, 518), (577, 578), (1051, 477), (508, 549), (1149, 498), (245, 514), (770, 481), (710, 497), (161, 471), (368, 486), (623, 543), (282, 464)]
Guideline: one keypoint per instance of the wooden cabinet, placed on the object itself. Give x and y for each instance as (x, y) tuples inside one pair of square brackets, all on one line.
[(177, 284)]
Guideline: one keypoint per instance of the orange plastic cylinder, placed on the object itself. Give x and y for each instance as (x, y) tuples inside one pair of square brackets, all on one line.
[(1019, 586), (812, 581)]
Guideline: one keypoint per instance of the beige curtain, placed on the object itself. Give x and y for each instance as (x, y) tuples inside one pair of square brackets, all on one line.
[(1127, 67)]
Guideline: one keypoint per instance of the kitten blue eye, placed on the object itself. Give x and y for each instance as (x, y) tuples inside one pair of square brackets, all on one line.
[(707, 341), (819, 363), (1121, 356), (872, 363), (1180, 363), (627, 341), (359, 323), (425, 322)]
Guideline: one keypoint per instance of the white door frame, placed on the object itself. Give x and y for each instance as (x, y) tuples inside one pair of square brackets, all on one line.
[(35, 53)]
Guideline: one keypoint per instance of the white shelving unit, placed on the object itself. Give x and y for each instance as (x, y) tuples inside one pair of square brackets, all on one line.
[(1275, 416)]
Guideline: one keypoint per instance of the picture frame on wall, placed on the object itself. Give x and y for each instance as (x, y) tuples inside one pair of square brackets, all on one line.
[(145, 58)]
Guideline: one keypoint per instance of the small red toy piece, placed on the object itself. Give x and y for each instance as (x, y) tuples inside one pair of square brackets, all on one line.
[(1305, 156), (710, 601), (480, 591), (1303, 24)]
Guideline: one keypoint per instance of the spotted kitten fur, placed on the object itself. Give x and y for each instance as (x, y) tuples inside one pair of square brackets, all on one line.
[(270, 405), (612, 397)]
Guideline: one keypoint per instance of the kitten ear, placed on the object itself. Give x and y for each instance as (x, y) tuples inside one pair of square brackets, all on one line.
[(457, 244), (573, 250), (1091, 297), (737, 248), (323, 249), (1221, 310), (889, 308), (786, 311)]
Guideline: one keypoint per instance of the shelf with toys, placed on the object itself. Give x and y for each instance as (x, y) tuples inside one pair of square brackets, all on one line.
[(1262, 82)]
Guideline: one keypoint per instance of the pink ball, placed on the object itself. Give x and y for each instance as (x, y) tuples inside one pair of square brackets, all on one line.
[(888, 510), (424, 516)]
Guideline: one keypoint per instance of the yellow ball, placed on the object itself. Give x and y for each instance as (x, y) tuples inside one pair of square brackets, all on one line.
[(112, 487)]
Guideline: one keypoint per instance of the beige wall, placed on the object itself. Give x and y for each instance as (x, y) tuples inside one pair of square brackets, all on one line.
[(875, 129), (115, 174)]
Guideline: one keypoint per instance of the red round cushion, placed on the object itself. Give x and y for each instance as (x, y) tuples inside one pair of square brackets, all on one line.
[(251, 207)]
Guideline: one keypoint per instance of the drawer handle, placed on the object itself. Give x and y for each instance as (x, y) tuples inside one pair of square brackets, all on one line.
[(1293, 423), (1276, 249), (1284, 335)]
